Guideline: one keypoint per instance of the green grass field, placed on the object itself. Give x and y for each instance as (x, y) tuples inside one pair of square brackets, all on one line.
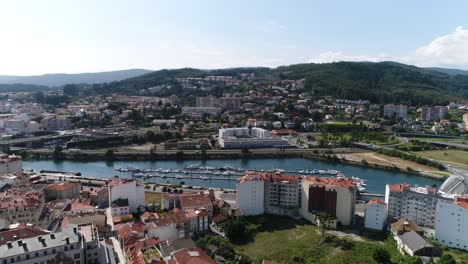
[(152, 198), (455, 157), (450, 140), (289, 241)]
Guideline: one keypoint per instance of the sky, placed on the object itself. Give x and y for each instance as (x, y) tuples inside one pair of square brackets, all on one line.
[(73, 36)]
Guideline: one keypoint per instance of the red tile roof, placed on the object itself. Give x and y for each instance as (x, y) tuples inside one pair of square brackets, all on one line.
[(332, 182), (462, 201), (191, 256), (62, 186), (20, 231), (376, 201), (195, 200), (266, 176), (398, 187)]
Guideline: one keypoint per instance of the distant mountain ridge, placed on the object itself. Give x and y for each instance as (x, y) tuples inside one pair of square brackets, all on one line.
[(59, 79), (382, 82), (449, 71)]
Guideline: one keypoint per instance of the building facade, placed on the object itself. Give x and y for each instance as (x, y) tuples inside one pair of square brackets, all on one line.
[(127, 189), (451, 225), (333, 196), (399, 111), (435, 113), (10, 164), (375, 215), (414, 203), (250, 194)]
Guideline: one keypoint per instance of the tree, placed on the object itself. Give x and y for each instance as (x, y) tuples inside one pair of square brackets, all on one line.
[(323, 219), (447, 259), (237, 232), (70, 89), (110, 153), (381, 255)]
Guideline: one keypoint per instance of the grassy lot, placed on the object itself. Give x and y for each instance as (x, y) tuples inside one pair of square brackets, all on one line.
[(287, 241), (152, 198), (449, 140), (455, 157)]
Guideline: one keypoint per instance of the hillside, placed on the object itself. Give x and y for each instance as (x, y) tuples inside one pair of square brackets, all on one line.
[(384, 82), (449, 71), (59, 79)]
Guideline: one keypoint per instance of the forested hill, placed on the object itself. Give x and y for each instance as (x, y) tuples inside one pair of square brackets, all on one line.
[(384, 82)]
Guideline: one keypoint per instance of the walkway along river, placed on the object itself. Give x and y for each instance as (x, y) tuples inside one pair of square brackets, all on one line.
[(376, 178)]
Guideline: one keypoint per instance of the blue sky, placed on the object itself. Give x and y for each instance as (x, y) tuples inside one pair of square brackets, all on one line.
[(50, 36)]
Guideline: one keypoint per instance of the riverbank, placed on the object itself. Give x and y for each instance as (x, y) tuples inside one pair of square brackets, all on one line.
[(353, 156)]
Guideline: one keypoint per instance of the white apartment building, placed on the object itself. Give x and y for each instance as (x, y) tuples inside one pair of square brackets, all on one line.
[(414, 203), (238, 138), (400, 111), (375, 215), (451, 225), (334, 196), (201, 110), (127, 189), (250, 194)]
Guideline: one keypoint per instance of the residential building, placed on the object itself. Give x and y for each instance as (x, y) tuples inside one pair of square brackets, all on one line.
[(451, 225), (196, 201), (10, 164), (77, 207), (8, 180), (120, 207), (17, 231), (250, 194), (229, 103), (21, 206), (98, 195), (61, 190), (56, 123), (414, 203), (206, 101), (201, 110), (408, 236), (127, 189), (398, 111), (375, 215), (465, 121), (80, 244), (190, 255), (435, 113), (239, 138), (334, 196)]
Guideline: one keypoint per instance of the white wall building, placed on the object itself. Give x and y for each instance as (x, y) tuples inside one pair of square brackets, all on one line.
[(375, 216), (414, 203), (250, 191), (451, 225), (127, 189)]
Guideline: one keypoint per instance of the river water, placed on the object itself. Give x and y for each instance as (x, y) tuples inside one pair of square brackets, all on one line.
[(376, 178)]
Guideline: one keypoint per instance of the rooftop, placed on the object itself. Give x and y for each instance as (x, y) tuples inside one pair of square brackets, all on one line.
[(191, 256), (62, 186), (332, 182), (376, 201)]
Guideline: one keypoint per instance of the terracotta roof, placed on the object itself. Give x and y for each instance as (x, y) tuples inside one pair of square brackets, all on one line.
[(61, 186), (405, 225), (462, 201), (332, 182), (116, 181), (398, 187), (218, 218), (195, 200), (376, 201), (191, 256), (77, 205)]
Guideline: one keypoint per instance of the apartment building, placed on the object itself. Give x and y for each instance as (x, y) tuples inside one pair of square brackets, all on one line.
[(238, 138), (127, 189), (451, 223), (435, 113), (21, 206), (399, 111), (56, 123), (10, 164), (250, 194), (414, 203), (81, 244), (282, 194), (375, 215), (334, 196), (206, 101), (62, 190)]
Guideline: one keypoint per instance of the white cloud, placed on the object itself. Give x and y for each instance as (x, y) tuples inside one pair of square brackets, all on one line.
[(450, 50)]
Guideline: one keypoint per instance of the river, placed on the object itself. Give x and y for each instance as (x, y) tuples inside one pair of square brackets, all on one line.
[(376, 178)]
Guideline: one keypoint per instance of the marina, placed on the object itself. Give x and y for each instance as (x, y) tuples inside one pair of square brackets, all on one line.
[(187, 172)]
